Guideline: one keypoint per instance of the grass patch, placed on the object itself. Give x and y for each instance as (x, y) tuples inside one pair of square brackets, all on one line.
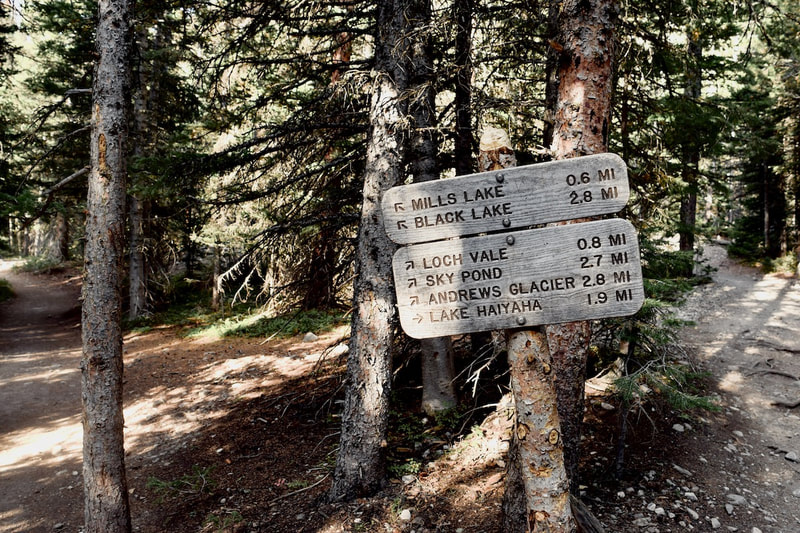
[(41, 265), (197, 482), (786, 264), (6, 293), (224, 520), (281, 326)]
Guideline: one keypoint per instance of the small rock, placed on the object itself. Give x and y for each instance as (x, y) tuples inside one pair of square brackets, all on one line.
[(729, 508), (792, 456), (300, 516), (691, 496), (408, 479), (641, 522), (715, 523), (796, 493), (405, 515), (738, 433), (693, 513), (660, 511), (621, 494), (737, 499), (607, 406), (651, 507), (310, 337), (681, 470), (755, 530), (679, 428), (58, 526)]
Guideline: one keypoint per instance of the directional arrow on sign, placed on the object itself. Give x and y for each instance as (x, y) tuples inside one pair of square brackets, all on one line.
[(542, 276), (506, 199)]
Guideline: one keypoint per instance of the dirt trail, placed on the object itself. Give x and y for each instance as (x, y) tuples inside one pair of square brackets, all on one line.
[(228, 403), (40, 433), (748, 335)]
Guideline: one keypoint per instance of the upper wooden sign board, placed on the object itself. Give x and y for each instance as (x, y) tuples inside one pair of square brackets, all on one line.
[(506, 199), (518, 279)]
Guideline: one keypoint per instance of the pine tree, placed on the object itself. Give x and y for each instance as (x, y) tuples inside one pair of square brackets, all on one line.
[(360, 464), (107, 509)]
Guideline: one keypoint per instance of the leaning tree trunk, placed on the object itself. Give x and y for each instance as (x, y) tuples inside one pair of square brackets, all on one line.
[(581, 127), (360, 465), (106, 495)]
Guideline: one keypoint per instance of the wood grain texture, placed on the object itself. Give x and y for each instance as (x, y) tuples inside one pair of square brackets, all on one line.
[(506, 199), (519, 279)]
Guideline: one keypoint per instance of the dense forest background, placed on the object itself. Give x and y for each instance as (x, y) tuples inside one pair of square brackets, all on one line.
[(260, 137), (249, 128)]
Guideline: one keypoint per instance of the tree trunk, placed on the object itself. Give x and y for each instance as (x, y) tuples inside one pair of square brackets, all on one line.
[(796, 186), (774, 213), (360, 465), (690, 173), (536, 494), (464, 141), (137, 273), (438, 369), (105, 488), (145, 95), (551, 73), (495, 153), (536, 445), (582, 118)]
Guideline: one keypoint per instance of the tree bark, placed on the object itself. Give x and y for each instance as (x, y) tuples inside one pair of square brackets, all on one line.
[(438, 368), (582, 118), (551, 72), (495, 153), (105, 487), (690, 173), (536, 446), (360, 465), (137, 270), (464, 141), (145, 96), (536, 494)]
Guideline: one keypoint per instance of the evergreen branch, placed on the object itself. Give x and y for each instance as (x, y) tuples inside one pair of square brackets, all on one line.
[(49, 152)]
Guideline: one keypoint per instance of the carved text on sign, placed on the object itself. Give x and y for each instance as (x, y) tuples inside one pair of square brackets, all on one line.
[(506, 199), (542, 276)]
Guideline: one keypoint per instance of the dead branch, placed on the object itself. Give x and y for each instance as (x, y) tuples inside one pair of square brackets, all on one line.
[(775, 372), (788, 405), (298, 491), (777, 347)]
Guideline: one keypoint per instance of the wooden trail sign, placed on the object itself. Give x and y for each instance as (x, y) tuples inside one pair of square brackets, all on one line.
[(519, 279), (506, 199)]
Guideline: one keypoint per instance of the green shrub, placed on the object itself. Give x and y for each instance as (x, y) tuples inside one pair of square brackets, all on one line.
[(290, 324), (197, 482), (40, 265), (6, 293)]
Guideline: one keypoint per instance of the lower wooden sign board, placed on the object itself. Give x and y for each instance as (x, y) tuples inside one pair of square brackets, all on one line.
[(518, 279)]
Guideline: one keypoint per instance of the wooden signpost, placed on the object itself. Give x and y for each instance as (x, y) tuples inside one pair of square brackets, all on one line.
[(506, 199), (521, 278)]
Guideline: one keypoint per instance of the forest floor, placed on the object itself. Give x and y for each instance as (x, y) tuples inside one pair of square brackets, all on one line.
[(240, 434)]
